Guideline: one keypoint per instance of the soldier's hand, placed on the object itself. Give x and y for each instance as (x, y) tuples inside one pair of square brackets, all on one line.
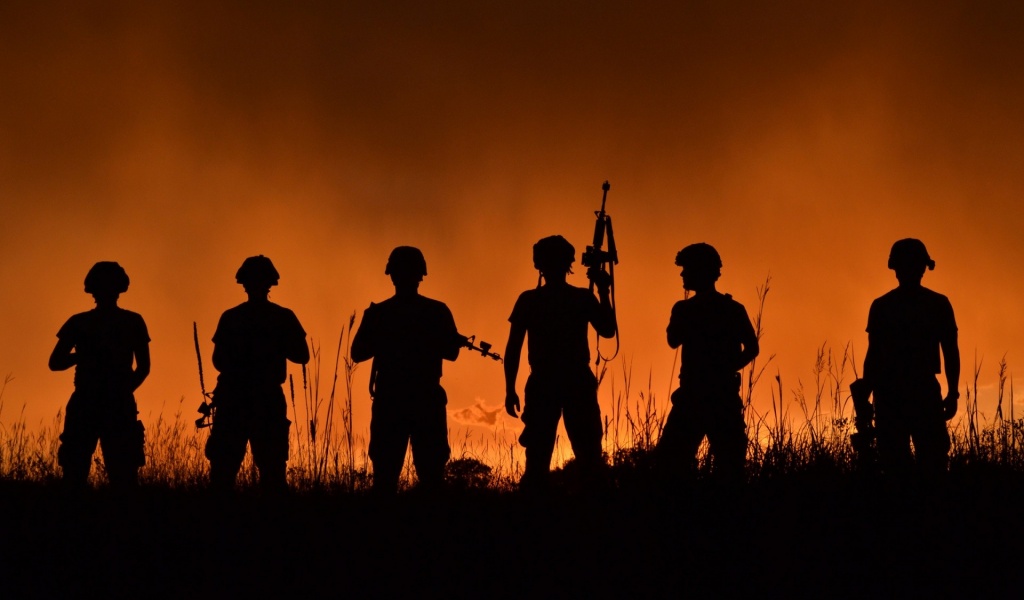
[(601, 279), (950, 404), (512, 404)]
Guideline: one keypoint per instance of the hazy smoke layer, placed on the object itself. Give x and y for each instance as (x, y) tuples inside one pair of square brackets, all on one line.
[(801, 139)]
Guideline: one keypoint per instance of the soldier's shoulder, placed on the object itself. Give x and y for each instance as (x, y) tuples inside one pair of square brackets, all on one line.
[(132, 317), (888, 298), (432, 305), (82, 316), (728, 300), (432, 302), (76, 321), (283, 310), (935, 296), (129, 314), (681, 305), (582, 291), (528, 296), (939, 304), (233, 313)]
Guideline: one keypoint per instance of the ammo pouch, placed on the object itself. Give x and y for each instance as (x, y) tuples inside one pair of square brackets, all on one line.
[(138, 443)]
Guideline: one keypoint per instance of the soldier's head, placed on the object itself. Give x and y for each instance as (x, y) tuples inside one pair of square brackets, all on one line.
[(702, 266), (406, 266), (554, 256), (909, 258), (257, 275), (106, 280)]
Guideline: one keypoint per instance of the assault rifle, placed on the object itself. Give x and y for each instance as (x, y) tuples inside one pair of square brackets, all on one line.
[(596, 258), (483, 347), (863, 440)]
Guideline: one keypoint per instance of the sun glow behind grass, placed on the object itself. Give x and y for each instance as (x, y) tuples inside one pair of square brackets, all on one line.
[(806, 429)]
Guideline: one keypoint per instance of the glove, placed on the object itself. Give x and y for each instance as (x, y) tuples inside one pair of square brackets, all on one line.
[(600, 278)]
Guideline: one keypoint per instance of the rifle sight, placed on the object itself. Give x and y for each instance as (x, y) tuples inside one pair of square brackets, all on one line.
[(483, 348)]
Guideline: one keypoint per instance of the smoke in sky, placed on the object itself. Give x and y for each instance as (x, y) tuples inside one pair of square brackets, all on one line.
[(799, 138), (478, 414)]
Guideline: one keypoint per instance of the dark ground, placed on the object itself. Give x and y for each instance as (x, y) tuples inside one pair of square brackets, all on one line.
[(795, 537)]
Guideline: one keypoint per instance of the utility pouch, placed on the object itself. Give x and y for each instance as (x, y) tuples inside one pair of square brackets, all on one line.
[(139, 443)]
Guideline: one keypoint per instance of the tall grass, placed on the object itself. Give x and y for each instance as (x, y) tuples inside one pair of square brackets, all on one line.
[(805, 429)]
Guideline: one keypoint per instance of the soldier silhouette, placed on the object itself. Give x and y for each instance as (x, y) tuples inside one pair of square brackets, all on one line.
[(907, 327), (556, 316), (408, 336), (102, 344), (252, 345), (717, 341)]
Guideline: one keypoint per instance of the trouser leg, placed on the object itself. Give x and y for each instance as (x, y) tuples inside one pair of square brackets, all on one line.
[(75, 456), (77, 442), (684, 430), (269, 445), (893, 438), (908, 410), (727, 440), (225, 449), (931, 443), (123, 447), (893, 428), (429, 441), (540, 420), (388, 442), (582, 416)]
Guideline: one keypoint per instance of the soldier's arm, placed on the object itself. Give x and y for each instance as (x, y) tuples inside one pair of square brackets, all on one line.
[(675, 338), (142, 365), (951, 360), (873, 357), (298, 353), (298, 349), (454, 340), (219, 360), (748, 338), (870, 363), (604, 318), (220, 352), (362, 342), (513, 352), (63, 357)]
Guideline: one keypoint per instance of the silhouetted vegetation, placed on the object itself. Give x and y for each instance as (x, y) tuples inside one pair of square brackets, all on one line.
[(807, 521)]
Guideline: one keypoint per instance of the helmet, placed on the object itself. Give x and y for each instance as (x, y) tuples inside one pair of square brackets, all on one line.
[(106, 277), (910, 252), (406, 260), (700, 257), (257, 270), (553, 252)]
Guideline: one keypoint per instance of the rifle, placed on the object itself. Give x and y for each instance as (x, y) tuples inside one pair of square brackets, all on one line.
[(206, 408), (483, 348), (864, 412), (596, 258)]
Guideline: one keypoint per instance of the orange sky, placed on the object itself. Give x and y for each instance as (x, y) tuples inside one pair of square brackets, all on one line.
[(801, 140)]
